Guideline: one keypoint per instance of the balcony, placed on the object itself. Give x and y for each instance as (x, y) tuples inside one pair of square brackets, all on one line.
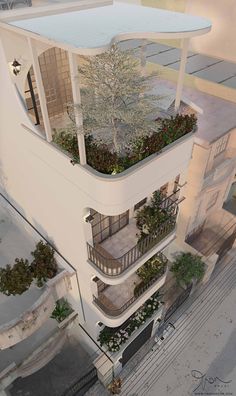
[(23, 314), (116, 300), (119, 252)]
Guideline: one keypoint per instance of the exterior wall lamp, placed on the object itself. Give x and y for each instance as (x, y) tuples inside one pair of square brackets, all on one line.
[(89, 219), (16, 67)]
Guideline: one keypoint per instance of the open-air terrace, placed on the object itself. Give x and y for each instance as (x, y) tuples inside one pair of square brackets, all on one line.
[(118, 252), (24, 306), (15, 242), (116, 299), (218, 228), (93, 32)]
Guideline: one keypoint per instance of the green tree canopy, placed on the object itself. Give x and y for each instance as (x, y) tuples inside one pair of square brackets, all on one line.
[(115, 99), (188, 266)]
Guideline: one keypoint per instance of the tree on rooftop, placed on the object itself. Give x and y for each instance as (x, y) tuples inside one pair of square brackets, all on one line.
[(115, 103)]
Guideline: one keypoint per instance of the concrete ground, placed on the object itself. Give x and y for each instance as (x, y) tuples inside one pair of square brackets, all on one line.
[(198, 358), (58, 375)]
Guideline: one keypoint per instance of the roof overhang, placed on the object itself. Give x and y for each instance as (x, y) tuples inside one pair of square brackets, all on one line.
[(93, 31)]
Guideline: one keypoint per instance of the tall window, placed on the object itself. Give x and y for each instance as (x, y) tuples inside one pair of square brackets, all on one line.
[(105, 226), (220, 145)]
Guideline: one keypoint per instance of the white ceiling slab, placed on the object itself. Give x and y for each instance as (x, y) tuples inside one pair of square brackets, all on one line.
[(94, 30)]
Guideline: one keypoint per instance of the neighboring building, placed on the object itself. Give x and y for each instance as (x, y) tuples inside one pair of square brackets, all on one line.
[(29, 338), (207, 221), (89, 216)]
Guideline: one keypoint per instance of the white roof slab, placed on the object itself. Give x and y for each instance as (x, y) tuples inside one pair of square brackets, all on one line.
[(93, 30)]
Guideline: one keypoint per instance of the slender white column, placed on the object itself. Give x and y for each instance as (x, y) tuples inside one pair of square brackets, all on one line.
[(40, 88), (180, 83), (73, 62), (143, 57)]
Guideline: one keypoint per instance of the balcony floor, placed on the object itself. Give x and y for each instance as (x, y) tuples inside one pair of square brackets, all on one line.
[(218, 227), (121, 242), (116, 296)]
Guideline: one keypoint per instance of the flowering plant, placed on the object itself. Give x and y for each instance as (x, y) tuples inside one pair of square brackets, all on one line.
[(114, 338)]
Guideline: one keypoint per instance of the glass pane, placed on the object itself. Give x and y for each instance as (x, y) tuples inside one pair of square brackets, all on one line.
[(115, 227), (105, 233), (123, 222)]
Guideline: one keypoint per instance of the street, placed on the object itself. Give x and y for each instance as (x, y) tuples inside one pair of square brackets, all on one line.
[(198, 358)]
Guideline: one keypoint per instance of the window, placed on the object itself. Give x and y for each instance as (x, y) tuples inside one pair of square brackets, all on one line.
[(220, 145), (140, 203), (212, 200), (105, 226)]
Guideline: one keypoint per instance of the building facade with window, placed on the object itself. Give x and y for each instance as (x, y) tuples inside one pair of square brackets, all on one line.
[(208, 220), (94, 220)]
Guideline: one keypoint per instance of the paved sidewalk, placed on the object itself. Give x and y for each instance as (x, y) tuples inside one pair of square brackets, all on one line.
[(161, 360)]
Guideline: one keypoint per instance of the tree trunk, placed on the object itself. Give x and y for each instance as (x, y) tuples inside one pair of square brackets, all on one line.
[(115, 135)]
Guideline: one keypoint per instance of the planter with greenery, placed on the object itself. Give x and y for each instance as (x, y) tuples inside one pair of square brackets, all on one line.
[(44, 265), (16, 279), (62, 310), (150, 218), (187, 267), (104, 160), (114, 338), (153, 269)]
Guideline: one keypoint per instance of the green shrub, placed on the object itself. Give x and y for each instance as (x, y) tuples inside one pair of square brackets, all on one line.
[(44, 265), (153, 267), (67, 139), (61, 310), (16, 279), (101, 158), (150, 217), (188, 266)]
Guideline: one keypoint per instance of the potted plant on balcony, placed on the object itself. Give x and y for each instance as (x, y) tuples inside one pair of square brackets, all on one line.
[(152, 269), (44, 265), (151, 217), (16, 279), (188, 267), (62, 310)]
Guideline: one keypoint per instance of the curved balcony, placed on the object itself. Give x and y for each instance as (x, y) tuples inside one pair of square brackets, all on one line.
[(120, 301), (25, 324), (112, 266)]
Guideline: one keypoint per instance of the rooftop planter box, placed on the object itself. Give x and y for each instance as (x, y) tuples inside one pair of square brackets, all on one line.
[(101, 158)]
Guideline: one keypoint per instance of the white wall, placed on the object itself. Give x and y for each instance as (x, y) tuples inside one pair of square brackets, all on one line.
[(220, 42)]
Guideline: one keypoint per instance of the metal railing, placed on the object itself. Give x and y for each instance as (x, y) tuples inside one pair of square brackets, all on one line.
[(118, 311), (115, 266)]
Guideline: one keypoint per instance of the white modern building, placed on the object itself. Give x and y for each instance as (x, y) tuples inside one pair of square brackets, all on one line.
[(89, 216)]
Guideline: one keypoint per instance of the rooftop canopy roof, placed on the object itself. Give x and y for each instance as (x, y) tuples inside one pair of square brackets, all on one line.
[(93, 30)]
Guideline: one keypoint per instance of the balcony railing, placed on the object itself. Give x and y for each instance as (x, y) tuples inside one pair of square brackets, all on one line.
[(115, 266), (114, 312)]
